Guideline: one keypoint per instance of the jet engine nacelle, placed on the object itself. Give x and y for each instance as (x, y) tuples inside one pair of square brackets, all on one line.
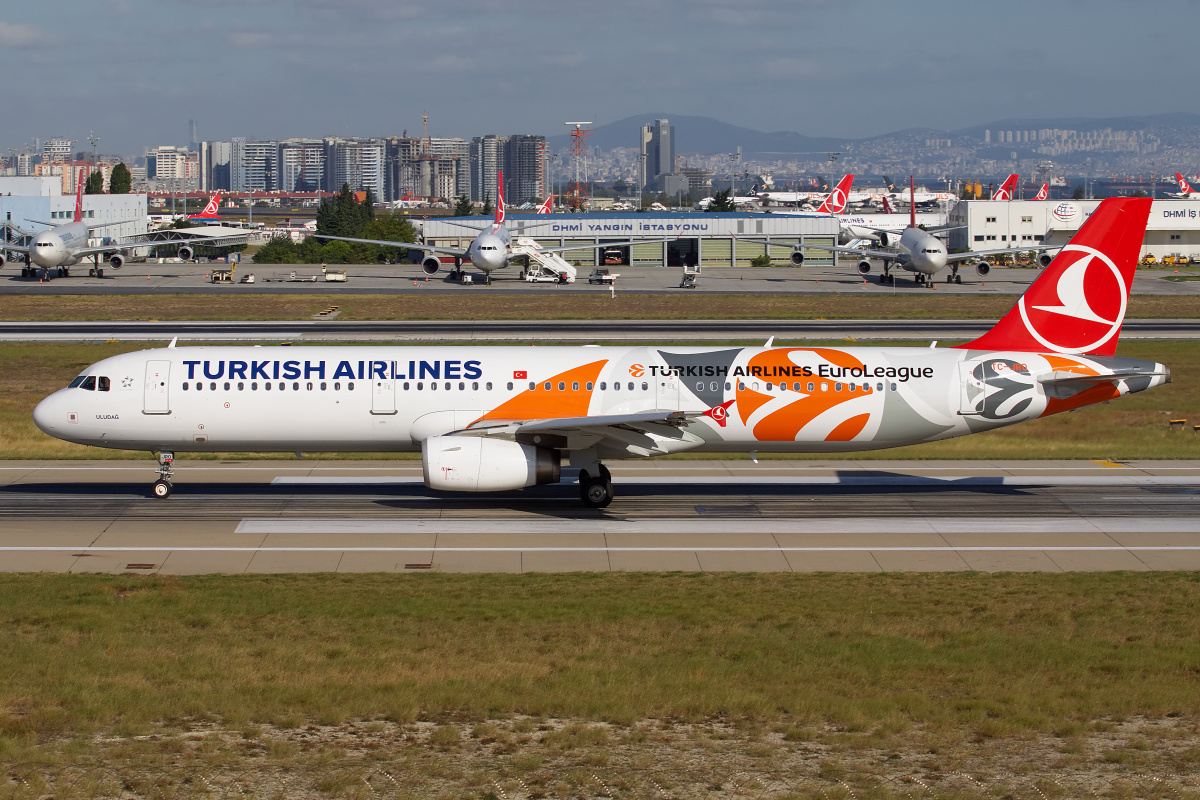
[(430, 265), (3, 260), (476, 464), (884, 238), (1044, 259), (864, 267), (116, 261), (797, 258), (982, 268), (186, 253)]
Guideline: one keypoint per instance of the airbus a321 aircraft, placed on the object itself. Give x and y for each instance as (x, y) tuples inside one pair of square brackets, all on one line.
[(504, 418), (490, 250)]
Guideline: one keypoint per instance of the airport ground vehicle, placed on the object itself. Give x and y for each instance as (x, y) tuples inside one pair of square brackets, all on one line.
[(603, 276), (502, 418)]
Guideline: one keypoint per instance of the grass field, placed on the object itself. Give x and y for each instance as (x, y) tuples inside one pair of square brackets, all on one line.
[(541, 306), (1134, 427), (454, 681)]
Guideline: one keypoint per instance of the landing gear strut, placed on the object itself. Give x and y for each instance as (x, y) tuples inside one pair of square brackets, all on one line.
[(162, 486), (596, 491)]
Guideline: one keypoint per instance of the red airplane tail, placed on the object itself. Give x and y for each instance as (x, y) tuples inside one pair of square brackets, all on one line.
[(79, 195), (1005, 192), (912, 202), (544, 208), (499, 199), (1184, 186), (1043, 192), (835, 201), (887, 206), (211, 210), (1077, 304)]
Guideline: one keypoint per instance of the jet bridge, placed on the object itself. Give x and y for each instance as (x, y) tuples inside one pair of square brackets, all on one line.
[(543, 266)]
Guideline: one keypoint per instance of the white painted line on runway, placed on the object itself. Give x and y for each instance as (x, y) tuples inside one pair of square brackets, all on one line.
[(598, 549), (778, 480), (723, 525)]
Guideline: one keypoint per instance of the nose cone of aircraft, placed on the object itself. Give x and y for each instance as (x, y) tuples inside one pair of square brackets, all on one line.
[(47, 416)]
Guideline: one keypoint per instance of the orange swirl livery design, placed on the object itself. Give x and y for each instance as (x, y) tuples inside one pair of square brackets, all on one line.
[(831, 404), (496, 418)]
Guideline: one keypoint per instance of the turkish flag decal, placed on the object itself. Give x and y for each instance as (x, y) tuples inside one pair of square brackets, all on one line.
[(520, 375)]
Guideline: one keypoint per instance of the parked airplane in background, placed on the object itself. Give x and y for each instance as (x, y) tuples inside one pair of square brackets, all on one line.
[(917, 251), (839, 196), (546, 207), (63, 246), (1043, 193), (211, 211), (1186, 192), (1005, 192), (503, 418), (490, 250)]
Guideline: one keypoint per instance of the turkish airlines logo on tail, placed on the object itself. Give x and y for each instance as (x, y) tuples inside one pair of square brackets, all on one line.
[(1184, 186), (719, 414), (835, 202), (1043, 193), (1006, 188), (1083, 309)]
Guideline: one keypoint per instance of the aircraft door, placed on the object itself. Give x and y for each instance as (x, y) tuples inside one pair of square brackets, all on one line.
[(972, 389), (156, 398), (383, 393), (668, 392)]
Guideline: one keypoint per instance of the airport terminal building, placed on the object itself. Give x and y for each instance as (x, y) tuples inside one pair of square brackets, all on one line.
[(1173, 228), (717, 240), (128, 209)]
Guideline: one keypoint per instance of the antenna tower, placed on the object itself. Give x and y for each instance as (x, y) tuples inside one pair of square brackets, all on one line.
[(576, 189)]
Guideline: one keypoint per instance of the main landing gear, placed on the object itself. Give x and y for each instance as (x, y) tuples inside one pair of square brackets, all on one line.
[(162, 486), (596, 491)]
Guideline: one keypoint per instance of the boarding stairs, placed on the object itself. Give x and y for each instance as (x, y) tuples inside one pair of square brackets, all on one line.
[(543, 265)]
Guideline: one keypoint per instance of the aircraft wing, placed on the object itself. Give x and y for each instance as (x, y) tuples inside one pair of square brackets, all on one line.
[(403, 245), (620, 428), (168, 236), (954, 257), (16, 248), (629, 243), (1067, 378), (891, 255)]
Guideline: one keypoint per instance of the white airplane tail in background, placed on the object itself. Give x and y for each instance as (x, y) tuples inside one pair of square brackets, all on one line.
[(1078, 303)]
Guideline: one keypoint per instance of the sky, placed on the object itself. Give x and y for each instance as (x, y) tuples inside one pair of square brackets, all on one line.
[(133, 72)]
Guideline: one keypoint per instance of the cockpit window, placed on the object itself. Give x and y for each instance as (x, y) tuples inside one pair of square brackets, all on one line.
[(76, 382), (89, 383), (102, 384)]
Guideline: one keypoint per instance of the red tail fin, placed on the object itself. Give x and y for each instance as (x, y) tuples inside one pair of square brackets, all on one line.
[(887, 207), (79, 196), (1184, 186), (499, 198), (912, 202), (835, 201), (211, 210), (545, 207), (1077, 304), (1043, 193), (1005, 192)]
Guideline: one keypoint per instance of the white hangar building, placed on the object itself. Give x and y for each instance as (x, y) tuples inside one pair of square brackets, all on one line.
[(716, 240), (1173, 228), (59, 209)]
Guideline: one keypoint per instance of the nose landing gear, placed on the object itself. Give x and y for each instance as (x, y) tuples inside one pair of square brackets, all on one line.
[(162, 486)]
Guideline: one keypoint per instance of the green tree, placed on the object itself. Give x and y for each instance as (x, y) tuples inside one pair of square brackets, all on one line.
[(721, 202), (487, 205), (95, 183), (463, 207), (120, 181), (278, 250), (1078, 194), (392, 228)]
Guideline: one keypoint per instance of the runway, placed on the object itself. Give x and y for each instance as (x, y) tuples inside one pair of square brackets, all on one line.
[(410, 331), (718, 515)]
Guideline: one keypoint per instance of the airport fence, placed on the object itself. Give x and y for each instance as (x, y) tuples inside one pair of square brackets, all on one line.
[(405, 780)]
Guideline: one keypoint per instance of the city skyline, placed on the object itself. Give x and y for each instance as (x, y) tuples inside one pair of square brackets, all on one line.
[(294, 68)]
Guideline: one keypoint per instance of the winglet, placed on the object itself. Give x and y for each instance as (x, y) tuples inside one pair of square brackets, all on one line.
[(1078, 303)]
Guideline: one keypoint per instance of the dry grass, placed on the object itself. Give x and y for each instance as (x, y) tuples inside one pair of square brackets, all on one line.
[(541, 306), (1132, 428)]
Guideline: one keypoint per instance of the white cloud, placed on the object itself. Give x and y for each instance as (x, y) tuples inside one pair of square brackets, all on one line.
[(14, 34)]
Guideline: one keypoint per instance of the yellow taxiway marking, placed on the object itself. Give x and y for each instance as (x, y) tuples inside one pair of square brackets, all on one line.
[(1110, 464)]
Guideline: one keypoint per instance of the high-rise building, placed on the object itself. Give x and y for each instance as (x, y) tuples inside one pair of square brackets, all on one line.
[(357, 163), (172, 166), (658, 151), (525, 169), (57, 150), (487, 158), (302, 165), (214, 166), (433, 167)]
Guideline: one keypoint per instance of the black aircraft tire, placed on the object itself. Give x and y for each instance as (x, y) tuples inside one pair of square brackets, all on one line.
[(162, 489)]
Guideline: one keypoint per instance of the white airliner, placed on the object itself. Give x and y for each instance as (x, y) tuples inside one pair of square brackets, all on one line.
[(919, 252), (504, 418), (490, 250), (63, 246), (833, 202), (1186, 192)]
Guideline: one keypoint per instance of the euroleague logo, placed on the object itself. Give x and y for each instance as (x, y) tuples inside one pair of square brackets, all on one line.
[(637, 370), (1065, 212), (1084, 309)]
